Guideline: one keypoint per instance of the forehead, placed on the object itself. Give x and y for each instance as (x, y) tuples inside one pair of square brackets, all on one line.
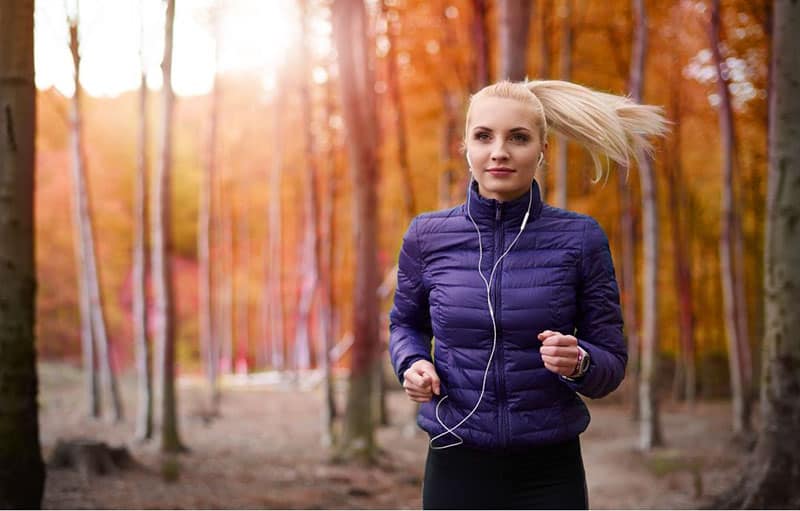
[(502, 113)]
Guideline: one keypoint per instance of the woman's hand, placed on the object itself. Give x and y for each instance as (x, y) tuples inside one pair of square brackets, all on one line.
[(559, 352), (421, 382)]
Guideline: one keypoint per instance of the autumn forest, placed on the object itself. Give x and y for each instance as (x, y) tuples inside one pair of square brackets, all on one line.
[(211, 196)]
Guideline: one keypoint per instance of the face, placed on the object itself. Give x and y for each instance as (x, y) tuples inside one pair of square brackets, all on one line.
[(504, 145)]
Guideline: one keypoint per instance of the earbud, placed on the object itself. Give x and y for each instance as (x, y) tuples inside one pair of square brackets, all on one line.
[(541, 159), (468, 160)]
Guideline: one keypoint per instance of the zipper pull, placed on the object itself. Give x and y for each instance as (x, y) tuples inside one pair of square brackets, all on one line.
[(497, 213)]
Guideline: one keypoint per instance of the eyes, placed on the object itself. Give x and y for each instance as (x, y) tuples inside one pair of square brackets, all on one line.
[(517, 138)]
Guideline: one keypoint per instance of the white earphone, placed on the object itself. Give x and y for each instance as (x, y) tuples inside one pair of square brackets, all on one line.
[(488, 284)]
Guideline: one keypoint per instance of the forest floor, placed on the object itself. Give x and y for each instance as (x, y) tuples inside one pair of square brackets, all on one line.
[(264, 452)]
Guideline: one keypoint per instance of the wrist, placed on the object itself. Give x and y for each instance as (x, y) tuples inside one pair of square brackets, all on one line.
[(582, 365)]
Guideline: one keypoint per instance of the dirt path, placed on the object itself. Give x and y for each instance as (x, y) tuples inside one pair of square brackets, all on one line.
[(264, 452)]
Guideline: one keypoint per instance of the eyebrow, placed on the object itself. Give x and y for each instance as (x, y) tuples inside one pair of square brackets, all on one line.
[(512, 130)]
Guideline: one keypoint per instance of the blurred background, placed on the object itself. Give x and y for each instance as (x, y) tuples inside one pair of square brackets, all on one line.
[(245, 215)]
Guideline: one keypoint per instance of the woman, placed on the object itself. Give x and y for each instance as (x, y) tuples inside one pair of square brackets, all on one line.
[(523, 303)]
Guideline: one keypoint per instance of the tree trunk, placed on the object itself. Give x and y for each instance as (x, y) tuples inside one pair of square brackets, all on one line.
[(629, 290), (770, 480), (732, 299), (161, 256), (562, 160), (22, 473), (325, 251), (144, 384), (515, 16), (685, 367), (399, 116), (545, 8), (273, 297), (242, 279), (88, 260), (358, 100), (650, 434), (227, 275), (478, 28), (208, 342)]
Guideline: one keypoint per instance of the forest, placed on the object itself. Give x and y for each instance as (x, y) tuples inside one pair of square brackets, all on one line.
[(202, 205)]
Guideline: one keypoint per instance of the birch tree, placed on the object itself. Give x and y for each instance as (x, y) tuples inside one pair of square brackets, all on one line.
[(562, 158), (92, 308), (162, 251), (144, 382), (650, 431), (735, 308)]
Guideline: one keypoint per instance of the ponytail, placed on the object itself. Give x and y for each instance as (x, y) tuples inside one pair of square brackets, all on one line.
[(605, 124)]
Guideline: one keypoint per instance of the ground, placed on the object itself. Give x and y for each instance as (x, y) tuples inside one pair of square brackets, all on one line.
[(265, 452)]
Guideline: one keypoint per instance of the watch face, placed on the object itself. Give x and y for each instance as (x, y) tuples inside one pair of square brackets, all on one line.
[(585, 363)]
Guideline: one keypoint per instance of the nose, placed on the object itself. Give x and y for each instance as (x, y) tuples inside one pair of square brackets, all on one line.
[(499, 152)]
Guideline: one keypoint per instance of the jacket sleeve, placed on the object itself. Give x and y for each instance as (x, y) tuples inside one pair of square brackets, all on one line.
[(599, 318), (409, 319)]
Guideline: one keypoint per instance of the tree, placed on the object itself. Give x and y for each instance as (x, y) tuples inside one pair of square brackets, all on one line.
[(730, 258), (21, 469), (562, 160), (208, 341), (161, 253), (650, 423), (144, 410), (479, 37), (358, 106), (515, 16), (685, 373), (272, 311), (770, 480), (92, 308)]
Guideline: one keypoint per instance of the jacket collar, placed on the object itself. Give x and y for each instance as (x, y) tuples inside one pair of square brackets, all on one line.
[(490, 210)]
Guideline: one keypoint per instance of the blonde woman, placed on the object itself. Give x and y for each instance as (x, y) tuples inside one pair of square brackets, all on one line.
[(522, 300)]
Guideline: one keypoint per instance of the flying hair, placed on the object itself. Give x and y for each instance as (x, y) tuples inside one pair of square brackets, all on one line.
[(604, 124)]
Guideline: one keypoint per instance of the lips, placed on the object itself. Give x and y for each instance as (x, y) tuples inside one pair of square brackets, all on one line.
[(500, 171)]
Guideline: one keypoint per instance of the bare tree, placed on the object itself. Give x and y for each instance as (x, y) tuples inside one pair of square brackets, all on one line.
[(144, 383), (770, 478), (208, 341), (272, 304), (161, 254), (325, 251), (515, 16), (358, 100), (22, 472), (734, 301), (393, 81), (679, 213), (91, 292), (562, 158), (650, 422), (478, 30)]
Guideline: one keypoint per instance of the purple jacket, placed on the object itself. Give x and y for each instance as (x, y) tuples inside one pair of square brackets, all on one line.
[(559, 276)]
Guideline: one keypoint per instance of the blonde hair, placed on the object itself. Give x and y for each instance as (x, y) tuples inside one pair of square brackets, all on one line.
[(604, 124)]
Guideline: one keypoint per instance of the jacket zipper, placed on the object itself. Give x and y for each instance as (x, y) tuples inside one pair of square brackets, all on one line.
[(499, 240)]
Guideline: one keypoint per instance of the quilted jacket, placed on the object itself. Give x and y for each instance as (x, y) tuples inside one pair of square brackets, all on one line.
[(558, 276)]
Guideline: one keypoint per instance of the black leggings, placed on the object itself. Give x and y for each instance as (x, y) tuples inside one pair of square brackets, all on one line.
[(549, 477)]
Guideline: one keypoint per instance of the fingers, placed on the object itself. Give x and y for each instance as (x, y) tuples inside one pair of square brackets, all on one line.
[(421, 381), (559, 352), (549, 338)]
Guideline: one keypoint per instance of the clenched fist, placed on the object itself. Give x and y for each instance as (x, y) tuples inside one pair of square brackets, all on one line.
[(559, 352), (421, 382)]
